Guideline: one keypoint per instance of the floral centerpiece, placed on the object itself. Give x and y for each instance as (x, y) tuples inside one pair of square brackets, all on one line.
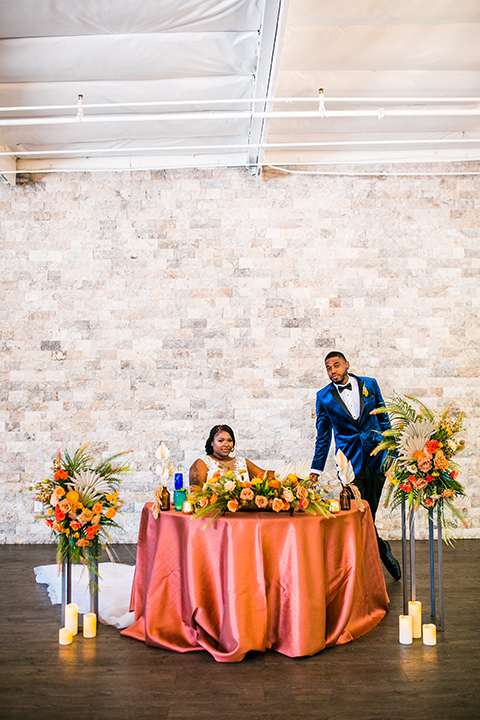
[(420, 448), (80, 503), (224, 492)]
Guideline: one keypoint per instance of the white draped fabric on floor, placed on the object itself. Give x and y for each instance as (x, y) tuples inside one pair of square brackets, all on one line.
[(115, 584)]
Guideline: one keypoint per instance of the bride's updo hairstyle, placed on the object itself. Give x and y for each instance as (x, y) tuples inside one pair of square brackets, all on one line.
[(214, 431)]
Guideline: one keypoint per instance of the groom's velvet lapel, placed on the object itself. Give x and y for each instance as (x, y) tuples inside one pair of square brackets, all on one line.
[(360, 389), (336, 396)]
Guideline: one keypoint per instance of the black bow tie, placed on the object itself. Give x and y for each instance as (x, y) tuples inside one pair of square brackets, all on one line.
[(341, 388)]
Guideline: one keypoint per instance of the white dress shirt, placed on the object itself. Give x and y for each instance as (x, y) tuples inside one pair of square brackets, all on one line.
[(351, 398)]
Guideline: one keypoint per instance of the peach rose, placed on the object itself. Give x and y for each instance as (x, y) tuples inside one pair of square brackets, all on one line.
[(96, 519), (448, 493), (302, 492), (232, 505), (247, 494), (82, 543), (64, 506), (419, 483), (86, 515), (97, 508), (424, 464), (288, 495), (54, 499), (261, 501), (229, 486), (277, 505)]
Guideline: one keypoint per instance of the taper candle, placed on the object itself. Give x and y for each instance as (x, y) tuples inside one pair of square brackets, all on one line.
[(89, 625), (405, 628), (71, 617), (429, 634), (65, 636), (415, 610)]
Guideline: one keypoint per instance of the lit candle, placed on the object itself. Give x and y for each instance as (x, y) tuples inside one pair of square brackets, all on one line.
[(405, 626), (429, 634), (89, 625), (415, 610), (334, 506), (65, 636), (71, 617)]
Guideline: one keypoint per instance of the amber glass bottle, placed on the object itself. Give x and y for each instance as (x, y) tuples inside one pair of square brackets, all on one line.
[(165, 498), (344, 499)]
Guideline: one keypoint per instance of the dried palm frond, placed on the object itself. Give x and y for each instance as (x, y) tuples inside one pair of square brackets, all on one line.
[(300, 469), (89, 485), (414, 437)]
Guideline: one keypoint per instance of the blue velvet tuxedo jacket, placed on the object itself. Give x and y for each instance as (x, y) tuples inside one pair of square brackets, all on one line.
[(356, 438)]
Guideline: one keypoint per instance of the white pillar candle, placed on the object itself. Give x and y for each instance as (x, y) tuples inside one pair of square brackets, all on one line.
[(429, 634), (405, 627), (71, 617), (415, 610), (65, 636), (89, 625)]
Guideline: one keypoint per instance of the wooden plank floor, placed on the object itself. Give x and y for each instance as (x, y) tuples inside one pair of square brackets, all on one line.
[(117, 678)]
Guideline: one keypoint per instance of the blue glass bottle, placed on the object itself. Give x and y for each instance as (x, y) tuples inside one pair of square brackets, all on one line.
[(180, 493)]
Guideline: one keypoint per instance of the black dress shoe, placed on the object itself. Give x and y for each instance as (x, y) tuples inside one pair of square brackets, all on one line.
[(390, 562)]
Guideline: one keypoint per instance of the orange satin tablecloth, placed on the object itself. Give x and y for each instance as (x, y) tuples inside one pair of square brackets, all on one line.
[(252, 581)]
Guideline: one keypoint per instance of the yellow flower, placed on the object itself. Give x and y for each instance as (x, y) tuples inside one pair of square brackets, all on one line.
[(50, 511), (111, 512)]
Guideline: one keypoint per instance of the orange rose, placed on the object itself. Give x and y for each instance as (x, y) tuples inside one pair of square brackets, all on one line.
[(64, 505), (277, 505), (59, 515), (418, 455), (82, 543), (213, 499), (86, 515), (274, 483), (111, 512), (245, 484), (246, 494), (61, 475), (304, 504), (232, 505), (75, 525), (431, 446), (59, 492), (97, 508)]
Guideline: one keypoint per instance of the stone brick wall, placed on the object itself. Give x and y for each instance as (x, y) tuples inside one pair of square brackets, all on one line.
[(140, 308)]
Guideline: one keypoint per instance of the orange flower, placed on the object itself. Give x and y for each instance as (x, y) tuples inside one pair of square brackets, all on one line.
[(60, 475), (418, 455), (304, 503), (448, 493), (111, 512), (431, 446), (302, 492), (73, 497), (59, 491), (274, 483), (64, 505), (247, 494), (277, 505), (59, 515), (91, 531), (440, 461), (82, 543), (86, 515), (245, 484), (75, 525), (213, 499), (97, 508), (49, 523), (232, 505)]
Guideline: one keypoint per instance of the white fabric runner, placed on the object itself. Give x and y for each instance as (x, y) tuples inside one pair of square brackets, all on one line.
[(115, 584)]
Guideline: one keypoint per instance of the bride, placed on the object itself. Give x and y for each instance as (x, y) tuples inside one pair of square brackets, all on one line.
[(218, 448)]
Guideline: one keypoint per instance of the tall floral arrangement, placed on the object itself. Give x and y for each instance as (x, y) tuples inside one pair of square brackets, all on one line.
[(420, 450), (80, 502), (224, 492)]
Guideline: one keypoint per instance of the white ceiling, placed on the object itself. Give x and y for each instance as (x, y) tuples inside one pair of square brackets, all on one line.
[(195, 83)]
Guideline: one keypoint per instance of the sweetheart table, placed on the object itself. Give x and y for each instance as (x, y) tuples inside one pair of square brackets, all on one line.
[(256, 581)]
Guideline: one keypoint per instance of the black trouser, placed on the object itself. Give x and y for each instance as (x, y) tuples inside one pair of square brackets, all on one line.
[(370, 485)]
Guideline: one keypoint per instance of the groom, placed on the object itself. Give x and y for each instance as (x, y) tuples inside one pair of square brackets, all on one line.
[(344, 406)]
